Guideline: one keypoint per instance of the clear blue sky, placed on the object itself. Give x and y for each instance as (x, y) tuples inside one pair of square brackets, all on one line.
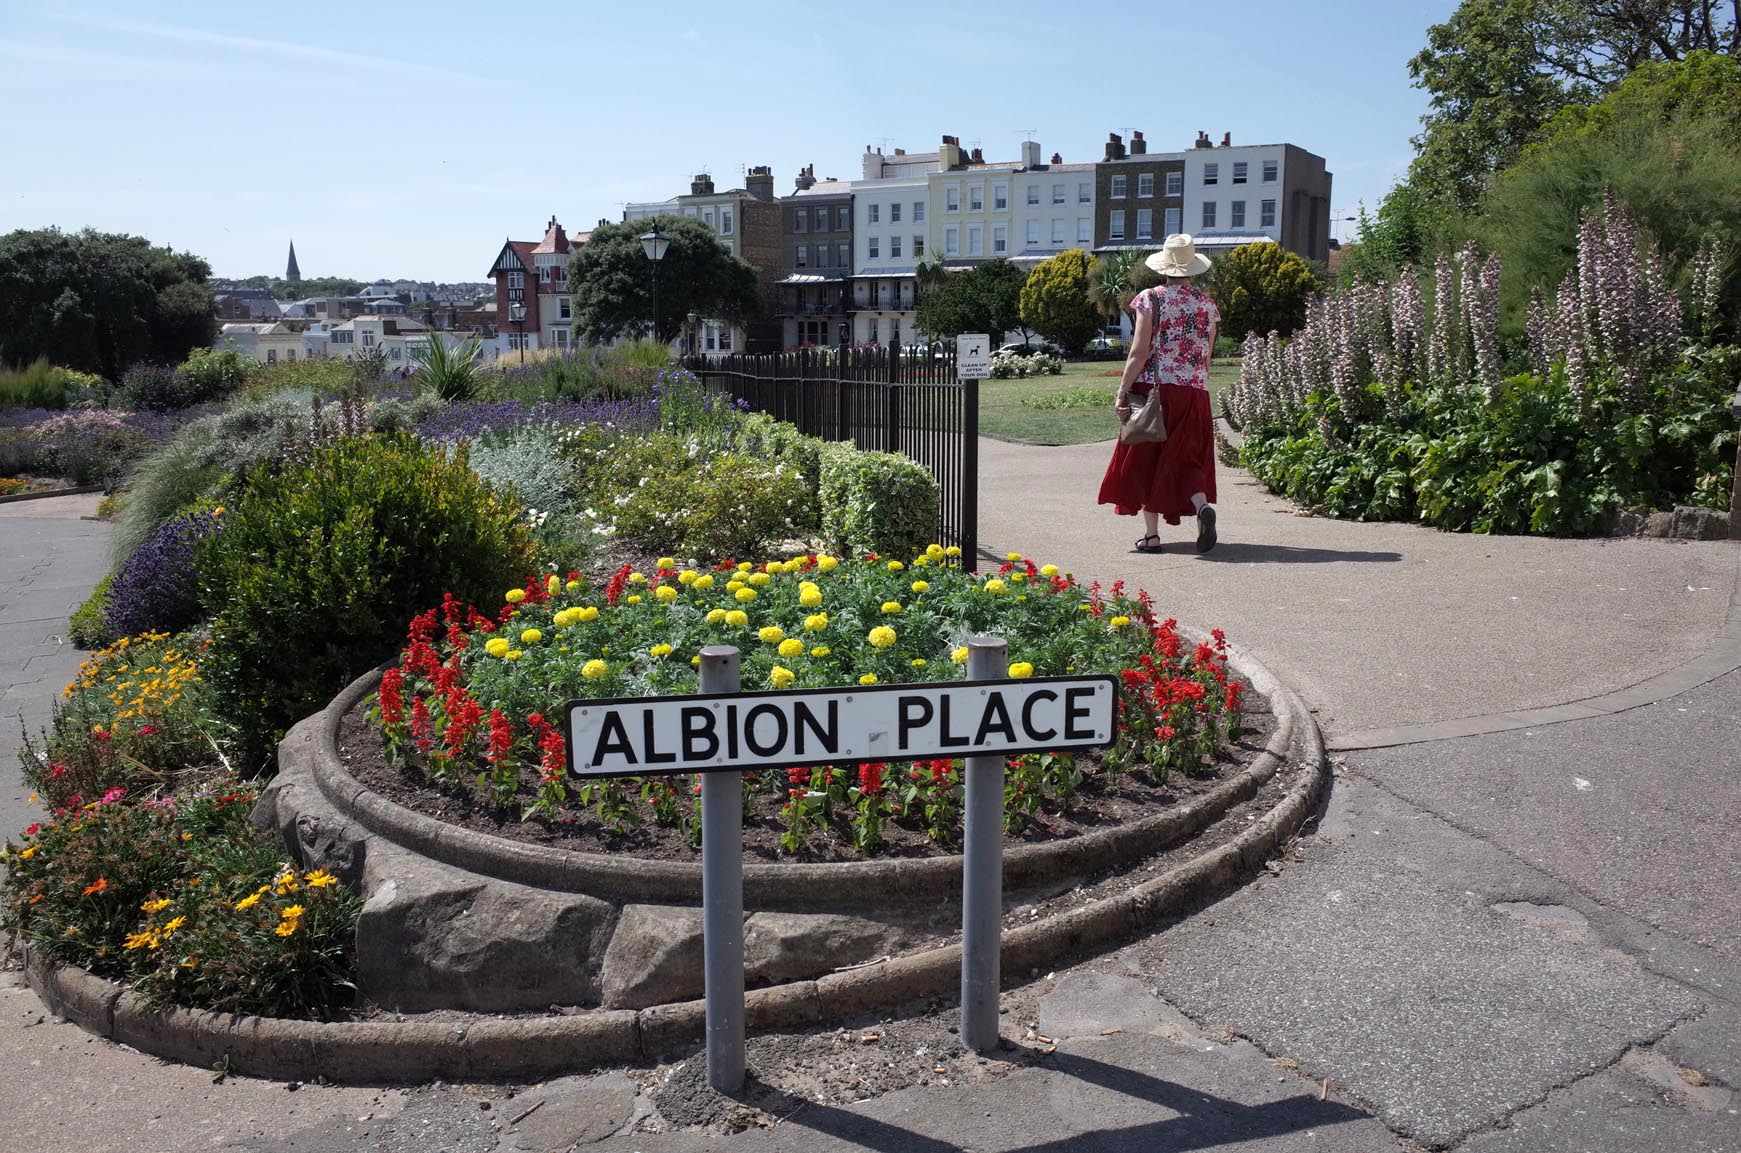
[(408, 140)]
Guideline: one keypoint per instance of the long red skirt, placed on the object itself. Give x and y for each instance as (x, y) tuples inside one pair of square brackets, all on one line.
[(1162, 477)]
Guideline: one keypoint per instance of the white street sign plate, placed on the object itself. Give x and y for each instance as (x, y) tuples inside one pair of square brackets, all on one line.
[(972, 356), (640, 736)]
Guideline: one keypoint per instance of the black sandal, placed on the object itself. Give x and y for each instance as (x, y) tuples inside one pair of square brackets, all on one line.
[(1143, 545), (1206, 528)]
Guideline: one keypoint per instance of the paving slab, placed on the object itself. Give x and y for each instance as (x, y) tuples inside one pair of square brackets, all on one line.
[(1377, 960), (1381, 625)]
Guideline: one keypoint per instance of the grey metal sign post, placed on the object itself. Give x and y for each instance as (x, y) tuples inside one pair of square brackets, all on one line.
[(982, 868), (722, 895)]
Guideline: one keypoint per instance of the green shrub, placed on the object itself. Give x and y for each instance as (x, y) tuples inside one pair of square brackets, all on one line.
[(37, 385), (86, 627), (876, 502), (188, 902), (323, 561), (723, 507), (529, 463), (209, 374), (1260, 288), (760, 435)]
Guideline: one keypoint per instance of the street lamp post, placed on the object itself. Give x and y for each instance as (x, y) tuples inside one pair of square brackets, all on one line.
[(654, 245), (517, 314)]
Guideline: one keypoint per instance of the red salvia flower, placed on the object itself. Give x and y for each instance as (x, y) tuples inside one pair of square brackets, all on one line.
[(501, 738), (421, 730), (870, 776)]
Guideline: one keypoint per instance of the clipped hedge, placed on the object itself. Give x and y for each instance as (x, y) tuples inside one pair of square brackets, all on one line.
[(876, 502)]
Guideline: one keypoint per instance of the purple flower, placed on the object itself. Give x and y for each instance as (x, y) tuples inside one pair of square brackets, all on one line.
[(158, 586)]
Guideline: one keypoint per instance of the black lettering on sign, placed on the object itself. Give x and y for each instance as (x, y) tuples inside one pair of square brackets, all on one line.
[(757, 714), (1035, 734), (654, 756), (915, 713), (1073, 710), (731, 732), (698, 728), (613, 737), (944, 737), (995, 718), (828, 736)]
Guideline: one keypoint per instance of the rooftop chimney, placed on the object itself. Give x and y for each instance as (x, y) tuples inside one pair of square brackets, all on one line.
[(806, 177), (949, 155), (759, 182), (1114, 146), (1057, 159), (900, 152), (702, 185), (1030, 154), (873, 163), (1202, 140), (1227, 140), (1138, 146), (977, 158)]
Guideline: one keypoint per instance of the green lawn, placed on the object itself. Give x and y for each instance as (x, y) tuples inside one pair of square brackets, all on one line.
[(1002, 413)]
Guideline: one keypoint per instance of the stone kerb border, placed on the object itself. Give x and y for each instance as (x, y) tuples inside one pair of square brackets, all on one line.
[(496, 1048), (312, 747)]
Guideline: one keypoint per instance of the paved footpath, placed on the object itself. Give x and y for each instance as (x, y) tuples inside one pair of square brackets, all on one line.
[(1521, 940)]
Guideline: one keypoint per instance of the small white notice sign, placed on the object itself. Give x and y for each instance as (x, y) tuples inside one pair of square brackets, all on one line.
[(972, 356), (645, 735)]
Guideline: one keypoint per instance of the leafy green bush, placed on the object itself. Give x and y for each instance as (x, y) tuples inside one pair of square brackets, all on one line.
[(43, 385), (877, 502), (529, 463), (210, 374), (187, 901), (722, 507), (86, 627), (1054, 300), (323, 560), (1259, 288), (759, 435)]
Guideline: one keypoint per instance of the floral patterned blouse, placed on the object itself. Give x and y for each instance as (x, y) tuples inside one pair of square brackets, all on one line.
[(1182, 314)]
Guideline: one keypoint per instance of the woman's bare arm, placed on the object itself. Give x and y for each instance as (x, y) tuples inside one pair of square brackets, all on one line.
[(1134, 361)]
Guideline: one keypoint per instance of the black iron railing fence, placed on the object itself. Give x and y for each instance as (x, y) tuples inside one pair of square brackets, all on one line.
[(885, 399)]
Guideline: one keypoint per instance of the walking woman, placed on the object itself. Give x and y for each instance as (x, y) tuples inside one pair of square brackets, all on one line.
[(1169, 356)]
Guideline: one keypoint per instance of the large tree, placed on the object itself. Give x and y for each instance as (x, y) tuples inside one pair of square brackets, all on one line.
[(611, 280), (1261, 288), (1055, 303), (100, 302), (985, 298)]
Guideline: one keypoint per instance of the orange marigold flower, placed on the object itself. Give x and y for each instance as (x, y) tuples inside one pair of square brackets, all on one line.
[(96, 886)]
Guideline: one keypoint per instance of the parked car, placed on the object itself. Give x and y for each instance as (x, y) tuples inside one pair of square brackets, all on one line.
[(1106, 344), (1026, 349)]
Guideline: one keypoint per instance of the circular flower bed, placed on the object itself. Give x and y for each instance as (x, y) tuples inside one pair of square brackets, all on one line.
[(466, 707)]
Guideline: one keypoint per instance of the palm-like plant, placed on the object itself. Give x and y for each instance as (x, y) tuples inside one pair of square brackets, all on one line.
[(451, 373), (1115, 279)]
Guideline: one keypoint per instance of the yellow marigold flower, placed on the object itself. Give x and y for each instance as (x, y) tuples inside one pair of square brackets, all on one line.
[(637, 578), (791, 647), (994, 586), (933, 550), (665, 593), (571, 586), (320, 879), (952, 550), (594, 669), (959, 656), (921, 561), (633, 599), (882, 637), (1118, 622), (827, 563), (286, 928), (249, 901), (921, 586), (745, 566), (173, 924), (515, 596), (696, 659), (760, 580), (513, 654), (687, 577), (714, 616), (919, 662), (1021, 670), (745, 595), (820, 651), (890, 608), (588, 613), (563, 618), (1017, 578), (1048, 571), (28, 853), (896, 566), (781, 677), (737, 618), (771, 634), (810, 598), (1013, 557), (868, 679), (552, 583), (156, 906), (666, 562), (660, 650), (816, 622), (531, 636), (704, 582), (733, 585)]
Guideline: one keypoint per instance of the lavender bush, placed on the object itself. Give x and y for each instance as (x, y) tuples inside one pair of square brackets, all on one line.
[(472, 421), (157, 589)]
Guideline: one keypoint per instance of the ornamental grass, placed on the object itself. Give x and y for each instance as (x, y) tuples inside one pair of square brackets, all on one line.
[(475, 698)]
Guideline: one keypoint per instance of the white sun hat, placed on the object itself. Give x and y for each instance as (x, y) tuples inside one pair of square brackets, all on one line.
[(1179, 257)]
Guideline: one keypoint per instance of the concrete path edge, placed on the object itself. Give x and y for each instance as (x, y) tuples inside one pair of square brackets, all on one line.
[(491, 1048)]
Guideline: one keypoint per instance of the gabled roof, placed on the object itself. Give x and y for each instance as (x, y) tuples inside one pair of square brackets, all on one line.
[(515, 255)]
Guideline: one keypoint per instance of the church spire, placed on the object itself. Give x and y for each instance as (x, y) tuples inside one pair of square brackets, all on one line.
[(292, 273)]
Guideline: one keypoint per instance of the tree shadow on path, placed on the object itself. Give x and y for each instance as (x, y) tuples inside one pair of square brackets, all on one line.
[(1242, 552), (1202, 1121)]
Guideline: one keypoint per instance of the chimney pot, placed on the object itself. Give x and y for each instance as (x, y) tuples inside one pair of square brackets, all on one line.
[(977, 158), (1057, 159), (1227, 140)]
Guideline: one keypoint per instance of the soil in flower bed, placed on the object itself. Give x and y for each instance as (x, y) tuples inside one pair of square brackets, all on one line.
[(1137, 796)]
